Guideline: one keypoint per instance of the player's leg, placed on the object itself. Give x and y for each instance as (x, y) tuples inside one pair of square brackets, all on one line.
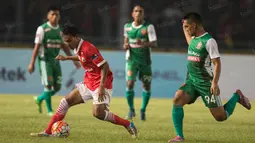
[(236, 97), (145, 75), (131, 72), (222, 112), (57, 78), (47, 80), (70, 100), (214, 103), (40, 98), (101, 112), (48, 70), (57, 82), (79, 95), (185, 95)]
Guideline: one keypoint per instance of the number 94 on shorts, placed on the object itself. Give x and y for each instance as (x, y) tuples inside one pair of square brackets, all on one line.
[(210, 100)]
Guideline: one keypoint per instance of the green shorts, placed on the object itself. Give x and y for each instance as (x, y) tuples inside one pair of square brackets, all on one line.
[(50, 72), (194, 91), (144, 71)]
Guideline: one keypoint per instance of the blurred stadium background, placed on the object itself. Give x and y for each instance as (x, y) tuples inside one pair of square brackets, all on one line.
[(231, 22)]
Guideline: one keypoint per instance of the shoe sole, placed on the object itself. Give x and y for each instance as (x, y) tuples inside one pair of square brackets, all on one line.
[(37, 135)]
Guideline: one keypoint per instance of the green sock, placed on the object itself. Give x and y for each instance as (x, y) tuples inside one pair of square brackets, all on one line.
[(231, 104), (177, 116), (48, 100), (130, 99), (146, 99), (41, 97)]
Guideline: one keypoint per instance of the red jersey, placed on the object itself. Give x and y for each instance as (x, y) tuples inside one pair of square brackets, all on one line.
[(91, 60)]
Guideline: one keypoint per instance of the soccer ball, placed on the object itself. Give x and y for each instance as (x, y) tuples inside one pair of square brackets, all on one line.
[(60, 129)]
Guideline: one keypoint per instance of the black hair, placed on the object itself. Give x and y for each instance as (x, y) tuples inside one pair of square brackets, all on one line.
[(53, 8), (70, 29), (194, 17), (138, 5)]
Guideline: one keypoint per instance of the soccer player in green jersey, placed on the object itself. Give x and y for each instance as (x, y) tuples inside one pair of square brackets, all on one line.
[(139, 38), (48, 42), (202, 80)]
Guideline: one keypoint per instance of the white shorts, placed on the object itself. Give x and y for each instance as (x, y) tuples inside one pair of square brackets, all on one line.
[(87, 94)]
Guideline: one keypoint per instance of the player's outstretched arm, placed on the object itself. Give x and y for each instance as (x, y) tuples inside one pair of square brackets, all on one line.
[(152, 44), (64, 58), (67, 51)]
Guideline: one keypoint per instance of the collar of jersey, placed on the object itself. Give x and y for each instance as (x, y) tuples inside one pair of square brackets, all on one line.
[(52, 26), (200, 35), (136, 27), (76, 50)]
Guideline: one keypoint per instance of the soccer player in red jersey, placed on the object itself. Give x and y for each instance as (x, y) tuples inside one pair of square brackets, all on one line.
[(97, 84)]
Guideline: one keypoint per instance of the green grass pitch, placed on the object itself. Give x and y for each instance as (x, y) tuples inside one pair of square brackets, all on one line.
[(19, 117)]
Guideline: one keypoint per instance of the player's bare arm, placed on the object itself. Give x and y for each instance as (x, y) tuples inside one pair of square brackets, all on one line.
[(217, 70), (64, 58), (152, 44), (212, 49), (104, 72), (67, 51), (34, 55), (125, 45)]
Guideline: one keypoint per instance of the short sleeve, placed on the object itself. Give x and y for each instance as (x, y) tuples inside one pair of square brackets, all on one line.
[(212, 48), (39, 35), (125, 31), (95, 56), (152, 33)]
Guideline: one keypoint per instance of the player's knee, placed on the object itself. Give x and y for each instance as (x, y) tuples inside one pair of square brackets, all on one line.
[(47, 87), (219, 113), (68, 100), (130, 84), (99, 113), (178, 99), (57, 88), (220, 118), (147, 87)]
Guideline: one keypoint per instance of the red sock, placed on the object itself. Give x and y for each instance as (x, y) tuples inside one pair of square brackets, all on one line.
[(56, 117), (59, 115), (116, 119)]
